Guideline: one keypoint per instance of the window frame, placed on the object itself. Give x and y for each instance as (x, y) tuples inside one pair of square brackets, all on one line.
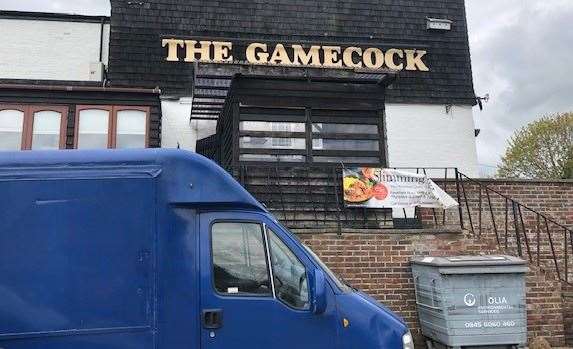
[(306, 272), (112, 122), (310, 116), (63, 110), (267, 249), (271, 294), (29, 111)]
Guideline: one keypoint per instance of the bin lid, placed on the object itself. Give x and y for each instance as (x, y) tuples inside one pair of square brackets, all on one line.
[(469, 261)]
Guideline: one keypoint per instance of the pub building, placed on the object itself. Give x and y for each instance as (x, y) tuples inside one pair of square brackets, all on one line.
[(282, 94)]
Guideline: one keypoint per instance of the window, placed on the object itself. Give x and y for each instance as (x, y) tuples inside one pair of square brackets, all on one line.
[(272, 158), (100, 127), (93, 128), (11, 129), (239, 259), (324, 136), (24, 127), (272, 143), (344, 128), (345, 144), (131, 129), (47, 130), (272, 126), (289, 274)]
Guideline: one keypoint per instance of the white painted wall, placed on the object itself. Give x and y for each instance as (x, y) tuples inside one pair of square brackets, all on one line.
[(50, 50), (427, 136), (175, 125)]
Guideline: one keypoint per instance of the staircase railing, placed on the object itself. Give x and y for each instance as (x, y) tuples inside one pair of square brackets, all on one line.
[(516, 227)]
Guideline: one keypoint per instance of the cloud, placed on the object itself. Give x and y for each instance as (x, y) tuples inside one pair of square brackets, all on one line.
[(520, 56)]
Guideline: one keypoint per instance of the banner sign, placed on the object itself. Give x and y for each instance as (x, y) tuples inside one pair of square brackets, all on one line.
[(387, 188), (294, 54)]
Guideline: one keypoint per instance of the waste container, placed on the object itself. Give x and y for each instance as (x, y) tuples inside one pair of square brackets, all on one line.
[(471, 301)]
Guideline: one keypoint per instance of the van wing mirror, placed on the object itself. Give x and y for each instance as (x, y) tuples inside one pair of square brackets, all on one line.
[(319, 292)]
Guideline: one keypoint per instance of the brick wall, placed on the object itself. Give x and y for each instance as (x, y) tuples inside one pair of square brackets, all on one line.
[(491, 211), (379, 265), (378, 262)]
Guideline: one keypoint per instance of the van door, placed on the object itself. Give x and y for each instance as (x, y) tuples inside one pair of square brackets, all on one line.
[(254, 287)]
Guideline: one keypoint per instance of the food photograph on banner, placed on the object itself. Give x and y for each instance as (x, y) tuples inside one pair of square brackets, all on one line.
[(368, 187)]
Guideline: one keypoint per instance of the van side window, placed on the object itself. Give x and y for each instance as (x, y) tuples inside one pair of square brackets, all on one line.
[(289, 274), (239, 259)]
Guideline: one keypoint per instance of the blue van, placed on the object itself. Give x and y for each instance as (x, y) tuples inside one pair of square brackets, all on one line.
[(162, 249)]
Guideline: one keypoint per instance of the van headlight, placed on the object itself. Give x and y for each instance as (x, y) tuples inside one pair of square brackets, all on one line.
[(407, 341)]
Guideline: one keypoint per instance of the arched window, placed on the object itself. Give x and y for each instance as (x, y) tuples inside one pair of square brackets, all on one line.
[(25, 127), (11, 128), (111, 127)]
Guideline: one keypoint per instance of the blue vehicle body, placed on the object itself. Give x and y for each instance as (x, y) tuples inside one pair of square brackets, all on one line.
[(112, 250)]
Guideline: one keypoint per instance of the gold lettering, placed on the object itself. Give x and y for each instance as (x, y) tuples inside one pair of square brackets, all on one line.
[(280, 56), (373, 58), (204, 50), (414, 60), (222, 51), (391, 59), (257, 53), (347, 57), (332, 56), (303, 58), (172, 46)]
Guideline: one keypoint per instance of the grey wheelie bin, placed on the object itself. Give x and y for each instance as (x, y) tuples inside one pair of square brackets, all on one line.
[(471, 301)]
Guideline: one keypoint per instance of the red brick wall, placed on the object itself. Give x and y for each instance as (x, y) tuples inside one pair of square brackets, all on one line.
[(378, 262)]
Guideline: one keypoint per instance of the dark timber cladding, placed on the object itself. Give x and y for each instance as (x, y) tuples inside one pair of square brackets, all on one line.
[(287, 150), (137, 57)]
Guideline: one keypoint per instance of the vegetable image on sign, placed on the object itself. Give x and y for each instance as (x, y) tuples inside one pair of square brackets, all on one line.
[(356, 190), (380, 191)]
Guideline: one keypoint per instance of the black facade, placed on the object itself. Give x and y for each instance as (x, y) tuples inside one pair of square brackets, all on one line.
[(137, 57)]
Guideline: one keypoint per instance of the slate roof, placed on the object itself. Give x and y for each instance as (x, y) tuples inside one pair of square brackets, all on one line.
[(137, 27)]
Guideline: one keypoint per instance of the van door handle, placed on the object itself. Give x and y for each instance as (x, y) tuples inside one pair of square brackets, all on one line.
[(212, 318)]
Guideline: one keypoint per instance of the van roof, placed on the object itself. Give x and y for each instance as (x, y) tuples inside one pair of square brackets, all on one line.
[(184, 177)]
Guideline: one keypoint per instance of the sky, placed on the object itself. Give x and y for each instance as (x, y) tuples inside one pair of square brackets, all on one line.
[(522, 53)]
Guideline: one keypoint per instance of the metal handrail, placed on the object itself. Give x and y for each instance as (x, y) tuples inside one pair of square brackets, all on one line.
[(516, 210), (516, 228)]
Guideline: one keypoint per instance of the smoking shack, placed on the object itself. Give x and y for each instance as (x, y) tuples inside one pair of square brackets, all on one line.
[(296, 55)]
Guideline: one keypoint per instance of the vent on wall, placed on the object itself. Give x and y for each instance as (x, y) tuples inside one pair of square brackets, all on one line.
[(438, 24), (97, 70)]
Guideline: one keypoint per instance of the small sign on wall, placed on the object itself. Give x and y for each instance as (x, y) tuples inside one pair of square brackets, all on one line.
[(387, 188)]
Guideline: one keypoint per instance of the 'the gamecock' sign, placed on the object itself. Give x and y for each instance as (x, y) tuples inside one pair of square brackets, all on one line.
[(281, 54)]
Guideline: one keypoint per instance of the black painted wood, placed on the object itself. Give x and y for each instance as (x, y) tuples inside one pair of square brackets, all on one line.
[(138, 59)]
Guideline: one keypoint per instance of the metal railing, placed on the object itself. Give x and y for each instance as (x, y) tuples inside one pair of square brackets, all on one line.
[(516, 228), (311, 197)]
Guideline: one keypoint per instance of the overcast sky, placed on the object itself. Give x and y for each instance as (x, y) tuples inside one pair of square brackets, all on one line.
[(521, 55)]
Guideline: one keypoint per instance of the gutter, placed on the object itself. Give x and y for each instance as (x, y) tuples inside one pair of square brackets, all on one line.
[(69, 88)]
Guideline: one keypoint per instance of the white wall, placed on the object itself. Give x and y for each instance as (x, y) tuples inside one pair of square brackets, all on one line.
[(175, 125), (427, 136), (50, 50)]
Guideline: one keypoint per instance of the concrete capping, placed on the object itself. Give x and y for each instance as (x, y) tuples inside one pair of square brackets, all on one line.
[(381, 231), (509, 180)]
